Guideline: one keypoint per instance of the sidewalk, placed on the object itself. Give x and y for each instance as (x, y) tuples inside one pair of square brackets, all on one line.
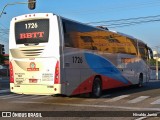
[(154, 80)]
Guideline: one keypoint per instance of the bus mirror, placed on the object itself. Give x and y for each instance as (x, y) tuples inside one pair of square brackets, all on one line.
[(31, 4), (150, 53)]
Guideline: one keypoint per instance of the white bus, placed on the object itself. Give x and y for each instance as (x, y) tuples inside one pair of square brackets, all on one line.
[(52, 55)]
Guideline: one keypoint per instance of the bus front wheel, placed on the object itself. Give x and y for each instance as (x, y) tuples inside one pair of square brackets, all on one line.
[(96, 88)]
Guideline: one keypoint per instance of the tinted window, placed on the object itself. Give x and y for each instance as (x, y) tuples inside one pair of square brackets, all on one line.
[(85, 37), (77, 35)]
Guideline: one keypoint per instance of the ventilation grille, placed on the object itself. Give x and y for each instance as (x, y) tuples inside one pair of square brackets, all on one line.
[(32, 52)]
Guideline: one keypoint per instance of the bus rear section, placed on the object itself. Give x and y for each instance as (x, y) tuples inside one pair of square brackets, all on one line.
[(34, 55)]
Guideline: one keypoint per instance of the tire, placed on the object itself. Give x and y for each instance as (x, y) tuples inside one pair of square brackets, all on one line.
[(96, 88), (140, 84)]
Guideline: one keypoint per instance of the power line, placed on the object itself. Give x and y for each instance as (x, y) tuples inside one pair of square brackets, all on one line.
[(131, 23), (3, 26), (126, 22), (137, 18)]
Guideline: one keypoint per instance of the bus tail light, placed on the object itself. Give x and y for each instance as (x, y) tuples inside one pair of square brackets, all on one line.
[(57, 74), (11, 73)]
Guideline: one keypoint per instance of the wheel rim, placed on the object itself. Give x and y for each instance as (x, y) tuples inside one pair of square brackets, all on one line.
[(97, 89), (140, 82)]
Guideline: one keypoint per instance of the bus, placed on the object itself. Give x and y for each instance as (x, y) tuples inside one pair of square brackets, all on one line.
[(52, 55)]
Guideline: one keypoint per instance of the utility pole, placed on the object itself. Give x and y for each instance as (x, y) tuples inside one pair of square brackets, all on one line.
[(157, 57), (31, 5)]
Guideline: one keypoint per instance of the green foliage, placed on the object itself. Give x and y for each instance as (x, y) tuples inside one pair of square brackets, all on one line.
[(152, 62)]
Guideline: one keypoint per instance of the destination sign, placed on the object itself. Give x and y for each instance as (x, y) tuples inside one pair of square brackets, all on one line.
[(32, 31)]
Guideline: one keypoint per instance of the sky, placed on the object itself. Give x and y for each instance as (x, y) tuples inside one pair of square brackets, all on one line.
[(87, 11)]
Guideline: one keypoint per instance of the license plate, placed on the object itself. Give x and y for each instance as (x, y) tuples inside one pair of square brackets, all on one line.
[(32, 80)]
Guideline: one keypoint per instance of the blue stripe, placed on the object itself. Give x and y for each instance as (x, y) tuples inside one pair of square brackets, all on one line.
[(104, 67)]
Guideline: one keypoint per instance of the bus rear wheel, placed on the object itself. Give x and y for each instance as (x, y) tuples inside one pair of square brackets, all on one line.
[(96, 88)]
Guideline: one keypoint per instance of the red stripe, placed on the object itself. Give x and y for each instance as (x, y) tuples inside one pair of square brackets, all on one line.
[(107, 83)]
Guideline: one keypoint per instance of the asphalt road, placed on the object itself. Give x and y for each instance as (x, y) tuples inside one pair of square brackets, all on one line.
[(128, 103)]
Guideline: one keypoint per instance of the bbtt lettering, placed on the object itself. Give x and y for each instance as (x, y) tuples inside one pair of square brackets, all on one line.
[(31, 35)]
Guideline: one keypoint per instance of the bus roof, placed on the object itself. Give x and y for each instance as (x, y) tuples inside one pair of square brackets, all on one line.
[(48, 14)]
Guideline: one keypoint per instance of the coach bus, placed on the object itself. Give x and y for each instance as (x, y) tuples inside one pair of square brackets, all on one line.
[(52, 55)]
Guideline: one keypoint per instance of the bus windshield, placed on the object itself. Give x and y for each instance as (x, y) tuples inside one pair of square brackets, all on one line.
[(32, 31)]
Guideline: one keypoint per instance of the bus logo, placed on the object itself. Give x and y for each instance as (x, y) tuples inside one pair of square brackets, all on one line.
[(31, 35), (32, 67)]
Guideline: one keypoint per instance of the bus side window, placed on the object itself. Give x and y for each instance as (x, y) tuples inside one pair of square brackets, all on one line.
[(143, 53), (67, 39)]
